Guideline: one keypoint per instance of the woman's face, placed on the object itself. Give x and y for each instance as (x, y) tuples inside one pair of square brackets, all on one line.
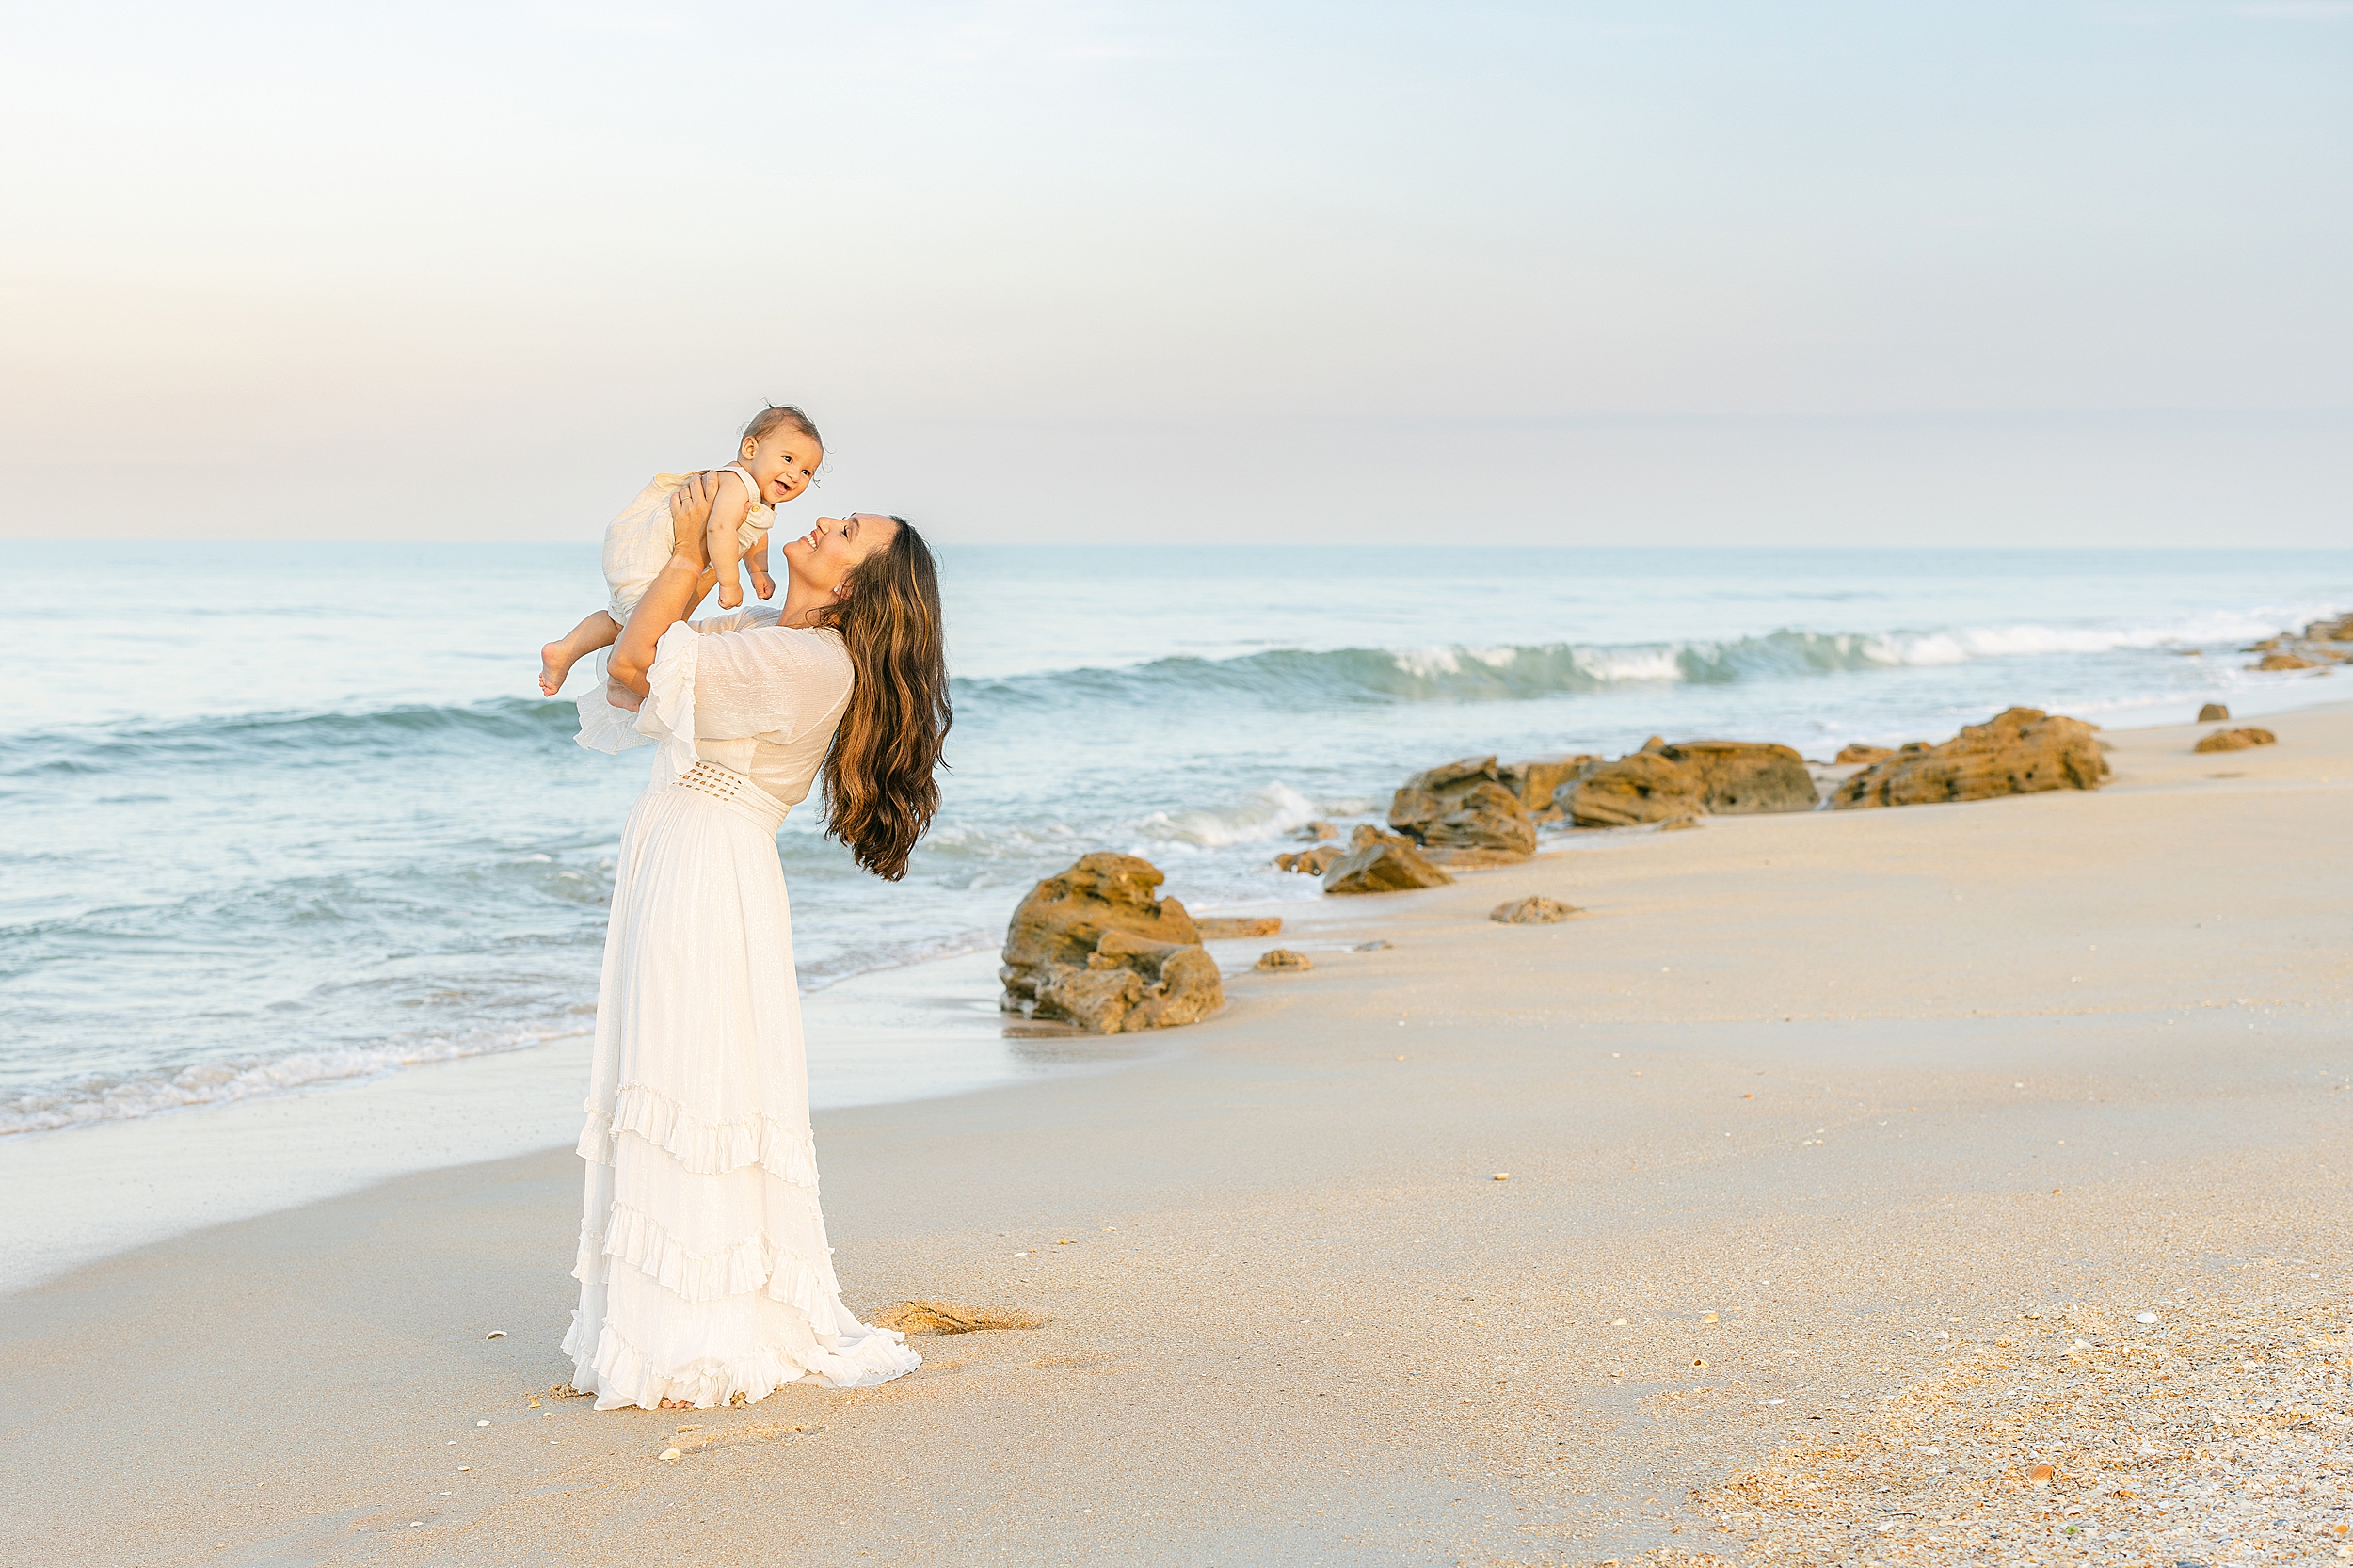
[(823, 556)]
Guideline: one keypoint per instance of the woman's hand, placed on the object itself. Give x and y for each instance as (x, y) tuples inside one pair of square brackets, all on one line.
[(690, 517)]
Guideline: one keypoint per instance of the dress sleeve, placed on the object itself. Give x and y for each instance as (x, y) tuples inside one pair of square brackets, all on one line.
[(739, 621), (767, 681), (667, 715)]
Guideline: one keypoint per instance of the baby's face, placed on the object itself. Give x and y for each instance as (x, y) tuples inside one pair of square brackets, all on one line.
[(782, 462)]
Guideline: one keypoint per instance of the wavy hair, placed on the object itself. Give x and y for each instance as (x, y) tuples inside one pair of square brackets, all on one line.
[(880, 795)]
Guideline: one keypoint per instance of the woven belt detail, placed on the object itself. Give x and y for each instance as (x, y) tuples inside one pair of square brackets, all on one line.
[(735, 791)]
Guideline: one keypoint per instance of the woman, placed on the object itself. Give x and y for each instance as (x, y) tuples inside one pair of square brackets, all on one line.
[(704, 1274)]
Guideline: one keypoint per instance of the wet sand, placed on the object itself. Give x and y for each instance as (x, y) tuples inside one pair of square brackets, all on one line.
[(1867, 1087)]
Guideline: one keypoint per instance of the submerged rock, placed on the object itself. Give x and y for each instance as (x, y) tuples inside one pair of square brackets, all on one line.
[(1464, 806), (1094, 946), (1378, 862), (2213, 713), (2285, 662), (1313, 862), (2020, 751), (2236, 740)]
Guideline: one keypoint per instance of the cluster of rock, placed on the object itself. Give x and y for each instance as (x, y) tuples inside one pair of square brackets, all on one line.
[(2022, 751), (2318, 647), (1095, 947)]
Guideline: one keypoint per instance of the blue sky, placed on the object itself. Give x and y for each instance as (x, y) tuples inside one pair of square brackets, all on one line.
[(1670, 273)]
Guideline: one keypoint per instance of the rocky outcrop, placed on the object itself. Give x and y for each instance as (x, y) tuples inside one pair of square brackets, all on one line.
[(2022, 751), (2285, 662), (1095, 947), (1378, 862), (1855, 751), (1738, 777), (1662, 781), (2213, 713), (2337, 631), (1464, 807), (1310, 862), (2236, 740), (1535, 780), (1283, 959), (1316, 832), (1220, 928), (1644, 787), (1534, 911)]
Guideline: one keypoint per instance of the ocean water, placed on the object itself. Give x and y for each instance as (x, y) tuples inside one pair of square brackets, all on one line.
[(280, 814)]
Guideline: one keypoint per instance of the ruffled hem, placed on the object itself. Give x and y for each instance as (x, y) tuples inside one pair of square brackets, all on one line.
[(705, 1148), (603, 726), (644, 1243), (620, 1374), (667, 715)]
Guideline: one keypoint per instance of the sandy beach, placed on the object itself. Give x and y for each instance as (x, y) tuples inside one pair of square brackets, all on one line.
[(1793, 1205)]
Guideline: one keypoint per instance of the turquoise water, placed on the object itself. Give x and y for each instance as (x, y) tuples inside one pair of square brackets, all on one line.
[(295, 812)]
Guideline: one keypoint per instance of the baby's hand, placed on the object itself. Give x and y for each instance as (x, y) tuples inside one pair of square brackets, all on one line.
[(730, 595), (764, 585)]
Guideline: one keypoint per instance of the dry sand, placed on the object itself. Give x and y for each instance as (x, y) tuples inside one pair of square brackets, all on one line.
[(1803, 1121)]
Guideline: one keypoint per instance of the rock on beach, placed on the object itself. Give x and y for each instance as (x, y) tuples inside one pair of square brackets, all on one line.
[(2020, 751), (1535, 780), (1094, 947), (1219, 928), (1378, 862), (1463, 806), (2236, 740), (1535, 910), (1661, 782)]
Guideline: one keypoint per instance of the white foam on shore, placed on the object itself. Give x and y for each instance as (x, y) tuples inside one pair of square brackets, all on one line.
[(1266, 813), (223, 1082)]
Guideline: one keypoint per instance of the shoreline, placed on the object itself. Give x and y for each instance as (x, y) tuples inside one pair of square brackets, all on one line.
[(110, 1186), (1815, 1116)]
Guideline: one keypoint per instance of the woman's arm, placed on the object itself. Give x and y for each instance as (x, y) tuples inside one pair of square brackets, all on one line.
[(663, 604), (673, 595)]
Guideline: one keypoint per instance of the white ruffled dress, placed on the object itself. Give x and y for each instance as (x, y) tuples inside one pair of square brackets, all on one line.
[(704, 1273)]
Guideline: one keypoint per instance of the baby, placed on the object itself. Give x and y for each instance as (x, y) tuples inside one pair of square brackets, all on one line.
[(779, 453)]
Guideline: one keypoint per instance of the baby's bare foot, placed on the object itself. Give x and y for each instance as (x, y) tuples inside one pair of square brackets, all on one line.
[(555, 663)]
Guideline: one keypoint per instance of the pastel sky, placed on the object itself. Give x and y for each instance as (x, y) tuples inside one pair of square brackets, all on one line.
[(1658, 272)]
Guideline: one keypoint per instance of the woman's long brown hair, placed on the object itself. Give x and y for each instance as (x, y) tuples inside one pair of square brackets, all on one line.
[(880, 794)]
